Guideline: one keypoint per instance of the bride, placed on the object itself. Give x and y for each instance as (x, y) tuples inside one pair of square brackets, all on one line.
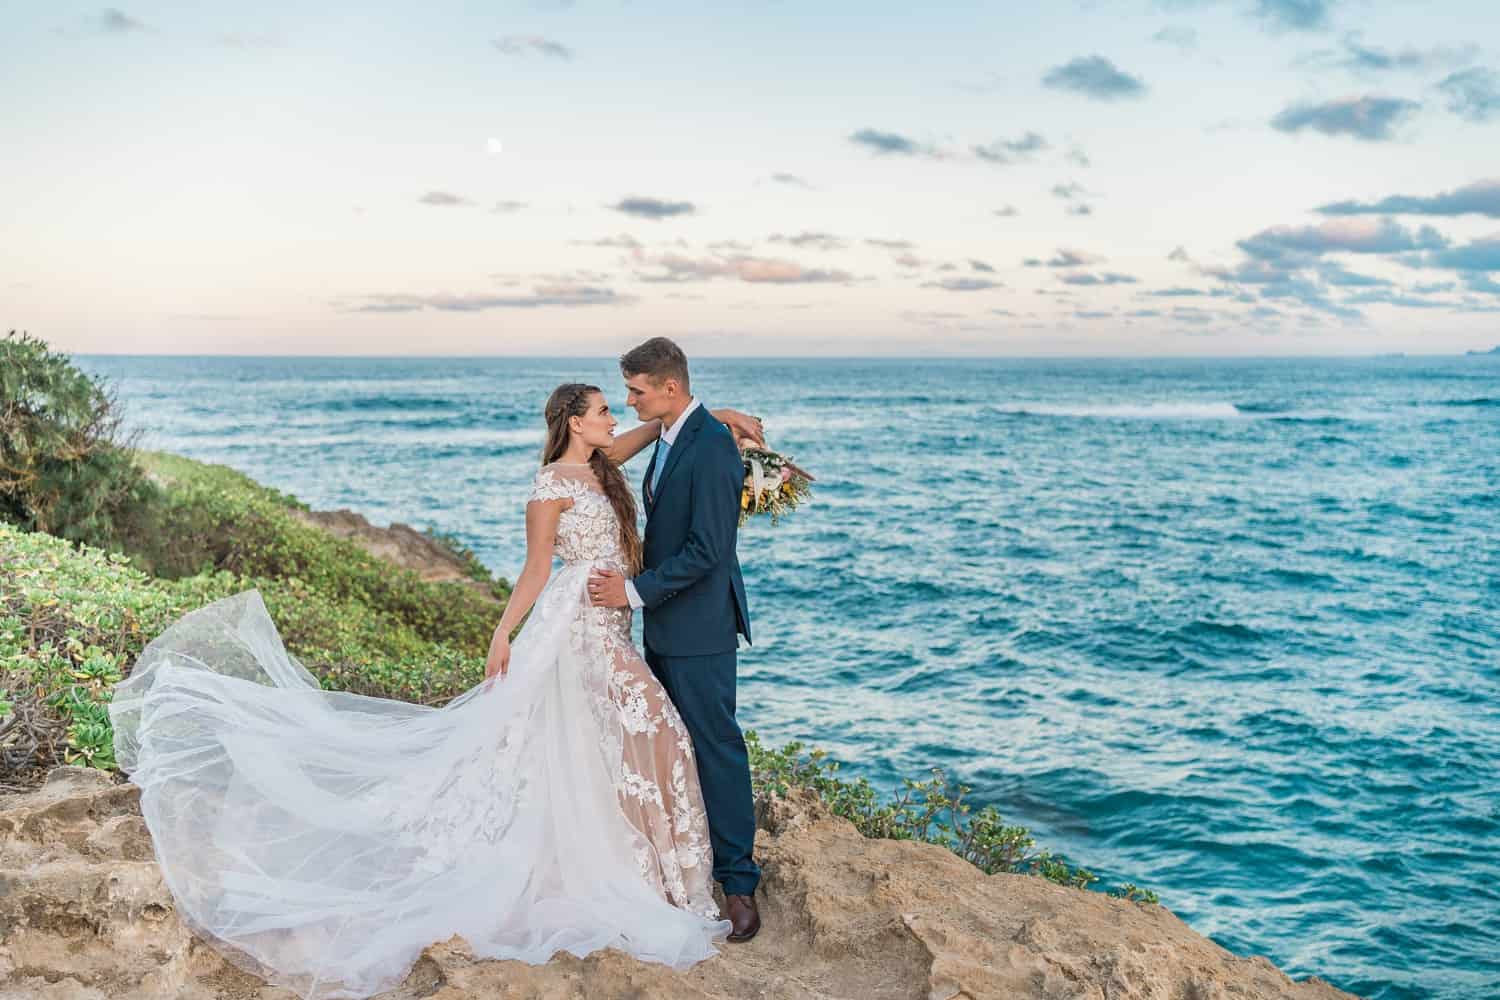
[(322, 839)]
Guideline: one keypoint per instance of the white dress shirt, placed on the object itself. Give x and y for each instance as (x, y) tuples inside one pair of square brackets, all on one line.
[(669, 436)]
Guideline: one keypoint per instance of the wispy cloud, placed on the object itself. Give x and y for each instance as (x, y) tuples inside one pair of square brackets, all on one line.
[(1103, 278), (515, 45), (963, 284), (1349, 235), (443, 198), (674, 267), (655, 209), (818, 241), (1357, 57), (1479, 198), (1006, 211), (543, 296), (791, 180), (1371, 119), (1473, 94), (892, 144), (1094, 76), (1011, 150), (506, 207), (1065, 258), (1295, 15), (1181, 36)]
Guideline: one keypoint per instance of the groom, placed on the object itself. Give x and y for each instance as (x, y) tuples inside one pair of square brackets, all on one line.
[(694, 601)]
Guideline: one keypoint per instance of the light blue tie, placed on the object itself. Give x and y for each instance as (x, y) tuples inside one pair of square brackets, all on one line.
[(661, 461)]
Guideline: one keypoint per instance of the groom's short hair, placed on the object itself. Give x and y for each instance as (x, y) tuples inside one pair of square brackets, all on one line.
[(658, 358)]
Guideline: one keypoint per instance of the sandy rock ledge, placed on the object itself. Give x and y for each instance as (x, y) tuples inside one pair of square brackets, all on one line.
[(84, 915)]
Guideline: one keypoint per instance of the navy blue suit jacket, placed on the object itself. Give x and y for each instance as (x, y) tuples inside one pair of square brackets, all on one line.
[(690, 585)]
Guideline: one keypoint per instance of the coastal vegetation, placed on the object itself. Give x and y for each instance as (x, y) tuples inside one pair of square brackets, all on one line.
[(102, 545)]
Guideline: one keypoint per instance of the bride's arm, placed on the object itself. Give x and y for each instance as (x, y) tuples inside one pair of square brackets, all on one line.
[(541, 536), (636, 440)]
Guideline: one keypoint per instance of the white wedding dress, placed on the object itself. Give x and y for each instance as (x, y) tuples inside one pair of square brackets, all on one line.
[(322, 839)]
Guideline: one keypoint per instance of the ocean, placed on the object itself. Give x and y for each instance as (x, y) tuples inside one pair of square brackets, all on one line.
[(1229, 629)]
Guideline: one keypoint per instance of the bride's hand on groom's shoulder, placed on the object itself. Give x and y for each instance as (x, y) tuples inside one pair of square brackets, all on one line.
[(743, 426)]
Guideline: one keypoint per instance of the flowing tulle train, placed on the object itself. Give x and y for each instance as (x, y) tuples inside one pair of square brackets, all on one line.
[(321, 839)]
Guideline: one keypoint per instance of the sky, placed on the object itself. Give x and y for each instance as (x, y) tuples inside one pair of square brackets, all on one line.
[(1108, 177)]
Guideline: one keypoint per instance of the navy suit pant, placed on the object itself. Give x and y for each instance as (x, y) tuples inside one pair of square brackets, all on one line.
[(702, 688)]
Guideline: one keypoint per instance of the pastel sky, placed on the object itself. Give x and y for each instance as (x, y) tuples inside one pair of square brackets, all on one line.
[(1133, 177)]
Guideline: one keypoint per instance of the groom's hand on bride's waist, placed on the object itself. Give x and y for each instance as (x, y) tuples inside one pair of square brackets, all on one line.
[(607, 589)]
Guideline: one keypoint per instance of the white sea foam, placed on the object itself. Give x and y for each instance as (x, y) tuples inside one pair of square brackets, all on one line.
[(1182, 410)]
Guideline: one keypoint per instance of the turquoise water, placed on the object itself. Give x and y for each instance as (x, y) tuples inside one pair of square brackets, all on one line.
[(1228, 629)]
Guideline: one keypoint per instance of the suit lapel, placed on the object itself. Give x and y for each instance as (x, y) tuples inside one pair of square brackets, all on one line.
[(685, 440)]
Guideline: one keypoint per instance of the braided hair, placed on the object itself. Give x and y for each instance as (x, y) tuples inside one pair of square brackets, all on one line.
[(572, 399)]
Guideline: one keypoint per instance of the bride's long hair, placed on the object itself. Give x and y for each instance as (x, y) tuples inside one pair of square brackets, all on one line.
[(571, 399)]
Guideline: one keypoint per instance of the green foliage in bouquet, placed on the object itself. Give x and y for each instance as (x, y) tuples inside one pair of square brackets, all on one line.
[(932, 811), (65, 466), (773, 485)]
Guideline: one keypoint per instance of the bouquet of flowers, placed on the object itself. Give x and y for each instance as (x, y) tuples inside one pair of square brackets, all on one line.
[(773, 484)]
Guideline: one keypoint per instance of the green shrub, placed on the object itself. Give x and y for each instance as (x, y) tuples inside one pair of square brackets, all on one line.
[(932, 811), (207, 518), (65, 467)]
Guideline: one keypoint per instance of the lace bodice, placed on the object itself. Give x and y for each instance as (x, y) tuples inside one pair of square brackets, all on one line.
[(588, 530)]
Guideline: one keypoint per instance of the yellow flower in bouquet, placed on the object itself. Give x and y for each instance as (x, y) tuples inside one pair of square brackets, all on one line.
[(774, 485)]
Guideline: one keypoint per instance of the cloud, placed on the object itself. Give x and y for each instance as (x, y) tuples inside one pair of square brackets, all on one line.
[(1006, 211), (543, 296), (1184, 292), (909, 260), (1065, 258), (623, 241), (1178, 35), (1068, 191), (1094, 76), (1105, 278), (743, 267), (508, 206), (1337, 274), (1351, 235), (980, 265), (1294, 15), (891, 244), (1482, 254), (790, 179), (248, 40), (1005, 151), (653, 208), (819, 241), (1077, 157), (109, 21), (891, 144), (1371, 119), (1079, 208), (443, 198), (1180, 254), (117, 22), (1385, 297), (515, 45), (1357, 57), (963, 284), (1479, 198), (1473, 94)]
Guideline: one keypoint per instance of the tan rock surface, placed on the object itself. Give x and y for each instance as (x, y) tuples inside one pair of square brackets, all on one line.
[(400, 543), (84, 915)]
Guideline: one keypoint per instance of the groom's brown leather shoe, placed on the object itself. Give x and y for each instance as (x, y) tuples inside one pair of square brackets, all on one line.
[(743, 916)]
